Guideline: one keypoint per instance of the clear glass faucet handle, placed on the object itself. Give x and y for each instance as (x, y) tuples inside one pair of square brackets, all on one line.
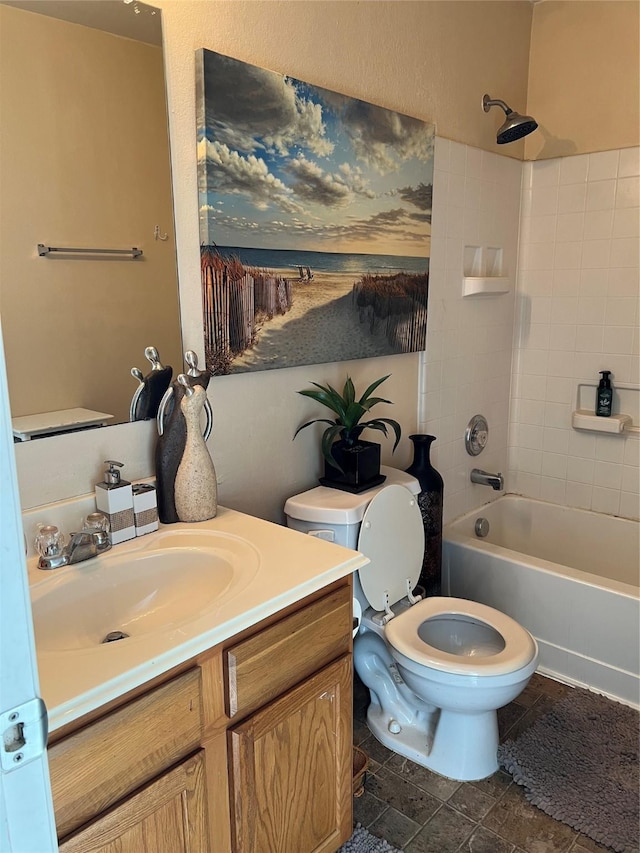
[(49, 541), (97, 521)]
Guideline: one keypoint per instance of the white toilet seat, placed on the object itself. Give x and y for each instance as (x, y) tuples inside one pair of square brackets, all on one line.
[(402, 634), (392, 537)]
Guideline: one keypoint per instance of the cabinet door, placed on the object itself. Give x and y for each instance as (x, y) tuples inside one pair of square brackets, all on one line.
[(167, 816), (291, 769)]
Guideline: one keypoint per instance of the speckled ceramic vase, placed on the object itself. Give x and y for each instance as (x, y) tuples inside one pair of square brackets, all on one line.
[(196, 490), (430, 503)]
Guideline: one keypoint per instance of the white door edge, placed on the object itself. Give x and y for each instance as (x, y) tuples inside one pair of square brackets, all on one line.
[(27, 823)]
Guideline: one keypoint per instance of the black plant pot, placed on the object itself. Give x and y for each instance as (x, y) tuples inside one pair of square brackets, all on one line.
[(360, 463)]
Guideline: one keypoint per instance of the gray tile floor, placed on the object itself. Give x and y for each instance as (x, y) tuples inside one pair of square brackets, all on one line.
[(419, 811)]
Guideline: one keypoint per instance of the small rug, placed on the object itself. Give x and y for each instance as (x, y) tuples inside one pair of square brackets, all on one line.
[(579, 764), (362, 841)]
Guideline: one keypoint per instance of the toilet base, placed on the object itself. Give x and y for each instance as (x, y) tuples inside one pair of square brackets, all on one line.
[(463, 747)]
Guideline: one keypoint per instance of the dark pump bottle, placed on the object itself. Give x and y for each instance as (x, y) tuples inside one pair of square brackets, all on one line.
[(605, 395)]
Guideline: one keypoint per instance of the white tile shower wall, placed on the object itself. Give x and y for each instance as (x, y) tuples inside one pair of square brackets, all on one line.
[(467, 366), (576, 314)]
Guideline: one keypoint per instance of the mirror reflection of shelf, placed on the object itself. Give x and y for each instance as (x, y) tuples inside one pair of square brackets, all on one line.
[(626, 398), (483, 271), (27, 427)]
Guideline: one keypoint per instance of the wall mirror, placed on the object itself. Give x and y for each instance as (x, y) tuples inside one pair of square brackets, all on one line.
[(84, 163)]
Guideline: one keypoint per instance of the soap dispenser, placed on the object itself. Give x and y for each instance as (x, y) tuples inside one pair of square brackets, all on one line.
[(114, 497), (604, 395)]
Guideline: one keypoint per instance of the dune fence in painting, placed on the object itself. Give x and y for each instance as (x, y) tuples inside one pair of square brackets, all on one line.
[(235, 300), (398, 303), (258, 319)]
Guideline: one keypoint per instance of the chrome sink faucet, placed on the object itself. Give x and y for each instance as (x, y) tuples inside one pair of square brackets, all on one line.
[(92, 540), (86, 544), (483, 478)]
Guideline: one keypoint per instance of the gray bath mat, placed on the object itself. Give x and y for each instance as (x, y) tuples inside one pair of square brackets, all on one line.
[(363, 841), (579, 764)]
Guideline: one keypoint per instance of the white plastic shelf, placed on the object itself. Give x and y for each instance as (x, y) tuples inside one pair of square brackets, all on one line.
[(494, 285), (626, 404), (616, 424)]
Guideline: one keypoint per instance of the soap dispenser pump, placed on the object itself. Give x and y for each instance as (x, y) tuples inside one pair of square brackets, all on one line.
[(114, 497), (605, 395)]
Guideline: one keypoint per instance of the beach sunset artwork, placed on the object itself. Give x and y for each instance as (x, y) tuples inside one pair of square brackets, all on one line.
[(315, 221)]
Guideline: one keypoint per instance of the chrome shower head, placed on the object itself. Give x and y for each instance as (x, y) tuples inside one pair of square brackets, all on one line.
[(515, 125)]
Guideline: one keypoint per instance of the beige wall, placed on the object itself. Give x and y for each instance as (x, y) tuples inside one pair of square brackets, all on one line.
[(584, 77), (84, 161), (433, 60)]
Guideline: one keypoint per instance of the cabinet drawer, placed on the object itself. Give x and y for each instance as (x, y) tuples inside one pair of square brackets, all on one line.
[(166, 816), (93, 768), (273, 660)]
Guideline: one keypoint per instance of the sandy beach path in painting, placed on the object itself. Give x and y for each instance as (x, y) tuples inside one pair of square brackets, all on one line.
[(321, 326)]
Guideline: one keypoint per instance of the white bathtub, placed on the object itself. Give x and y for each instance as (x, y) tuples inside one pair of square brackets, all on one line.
[(569, 576)]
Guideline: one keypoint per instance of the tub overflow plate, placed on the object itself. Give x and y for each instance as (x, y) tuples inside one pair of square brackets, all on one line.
[(482, 527)]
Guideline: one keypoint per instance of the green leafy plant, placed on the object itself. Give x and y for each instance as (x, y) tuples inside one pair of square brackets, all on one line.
[(348, 424)]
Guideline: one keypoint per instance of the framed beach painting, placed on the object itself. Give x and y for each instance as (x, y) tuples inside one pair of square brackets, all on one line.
[(315, 221)]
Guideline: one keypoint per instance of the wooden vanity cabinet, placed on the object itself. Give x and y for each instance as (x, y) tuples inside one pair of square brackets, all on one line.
[(290, 770), (166, 816), (245, 749), (133, 780), (290, 760)]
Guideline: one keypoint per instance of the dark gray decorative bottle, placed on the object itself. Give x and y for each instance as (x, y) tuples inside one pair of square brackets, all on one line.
[(430, 503)]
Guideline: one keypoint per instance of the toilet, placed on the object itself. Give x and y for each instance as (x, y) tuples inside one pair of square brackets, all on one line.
[(437, 668)]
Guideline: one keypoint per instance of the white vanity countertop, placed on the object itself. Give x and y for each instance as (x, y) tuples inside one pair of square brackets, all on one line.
[(292, 566)]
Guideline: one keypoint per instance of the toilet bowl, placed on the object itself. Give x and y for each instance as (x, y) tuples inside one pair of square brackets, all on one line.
[(438, 668)]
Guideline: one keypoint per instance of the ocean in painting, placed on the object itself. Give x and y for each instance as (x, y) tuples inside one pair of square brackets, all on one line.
[(324, 261)]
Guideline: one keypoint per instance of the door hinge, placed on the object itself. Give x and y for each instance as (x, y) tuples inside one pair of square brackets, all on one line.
[(24, 734)]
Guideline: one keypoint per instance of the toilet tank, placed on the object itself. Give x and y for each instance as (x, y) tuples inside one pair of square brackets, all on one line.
[(335, 515)]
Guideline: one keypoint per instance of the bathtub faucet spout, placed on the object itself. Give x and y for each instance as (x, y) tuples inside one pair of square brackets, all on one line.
[(496, 481)]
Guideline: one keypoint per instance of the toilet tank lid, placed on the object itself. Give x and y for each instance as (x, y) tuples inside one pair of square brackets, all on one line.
[(333, 506)]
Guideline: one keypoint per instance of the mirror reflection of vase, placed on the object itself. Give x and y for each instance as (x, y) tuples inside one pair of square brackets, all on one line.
[(149, 393), (430, 504)]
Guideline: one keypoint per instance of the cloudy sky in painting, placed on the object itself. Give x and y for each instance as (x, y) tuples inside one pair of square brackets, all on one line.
[(286, 165)]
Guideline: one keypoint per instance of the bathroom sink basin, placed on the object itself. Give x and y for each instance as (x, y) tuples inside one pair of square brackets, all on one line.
[(178, 577)]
